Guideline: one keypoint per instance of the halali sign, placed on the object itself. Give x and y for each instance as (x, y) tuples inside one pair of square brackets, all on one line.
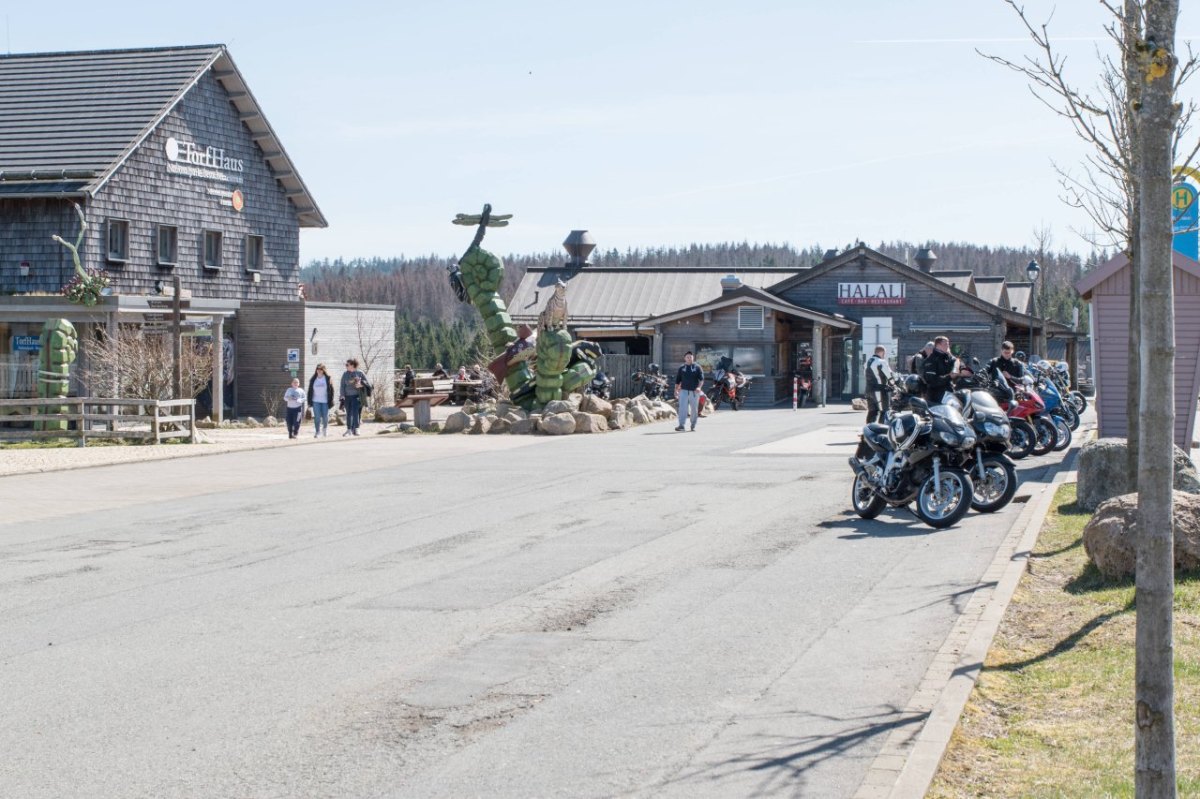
[(870, 294)]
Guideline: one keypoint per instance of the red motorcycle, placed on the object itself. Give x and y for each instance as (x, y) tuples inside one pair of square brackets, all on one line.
[(726, 389), (1032, 429)]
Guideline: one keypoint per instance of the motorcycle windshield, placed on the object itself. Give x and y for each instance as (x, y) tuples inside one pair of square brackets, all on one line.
[(984, 401), (950, 411)]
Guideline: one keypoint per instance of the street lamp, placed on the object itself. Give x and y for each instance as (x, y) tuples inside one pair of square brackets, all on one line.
[(1032, 271)]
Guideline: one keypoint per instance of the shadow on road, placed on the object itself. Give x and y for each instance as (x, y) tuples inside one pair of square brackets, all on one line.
[(783, 761), (893, 524)]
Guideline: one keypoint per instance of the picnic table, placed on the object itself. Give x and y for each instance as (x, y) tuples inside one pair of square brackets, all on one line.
[(463, 390), (421, 404)]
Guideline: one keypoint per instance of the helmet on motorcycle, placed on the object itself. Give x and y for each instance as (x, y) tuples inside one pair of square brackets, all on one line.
[(1021, 356), (1062, 367), (912, 385), (653, 368), (903, 430)]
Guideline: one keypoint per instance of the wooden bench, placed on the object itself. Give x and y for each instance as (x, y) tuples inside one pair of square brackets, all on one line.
[(421, 403)]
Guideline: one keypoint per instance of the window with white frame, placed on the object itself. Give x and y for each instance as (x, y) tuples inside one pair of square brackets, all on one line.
[(118, 240), (166, 238), (212, 249), (254, 253), (750, 317)]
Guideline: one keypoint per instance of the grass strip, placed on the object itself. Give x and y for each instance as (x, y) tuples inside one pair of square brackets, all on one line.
[(1052, 713)]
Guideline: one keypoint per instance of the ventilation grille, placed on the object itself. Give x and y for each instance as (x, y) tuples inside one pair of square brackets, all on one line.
[(750, 317)]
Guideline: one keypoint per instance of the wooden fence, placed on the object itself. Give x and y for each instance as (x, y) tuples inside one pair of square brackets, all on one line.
[(620, 368), (145, 420)]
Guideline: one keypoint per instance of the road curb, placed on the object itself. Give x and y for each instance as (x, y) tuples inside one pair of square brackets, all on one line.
[(907, 762)]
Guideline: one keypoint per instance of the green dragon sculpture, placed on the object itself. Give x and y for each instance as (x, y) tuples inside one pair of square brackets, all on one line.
[(534, 374)]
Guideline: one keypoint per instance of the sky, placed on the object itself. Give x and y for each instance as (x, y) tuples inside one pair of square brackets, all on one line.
[(650, 124)]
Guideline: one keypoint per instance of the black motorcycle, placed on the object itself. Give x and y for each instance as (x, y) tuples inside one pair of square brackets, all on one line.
[(911, 460), (600, 386), (993, 473), (650, 382)]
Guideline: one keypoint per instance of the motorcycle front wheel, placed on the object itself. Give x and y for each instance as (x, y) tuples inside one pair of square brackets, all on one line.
[(715, 399), (1063, 430), (1068, 412), (1079, 401), (942, 502), (1047, 436), (863, 498), (997, 486), (1021, 439)]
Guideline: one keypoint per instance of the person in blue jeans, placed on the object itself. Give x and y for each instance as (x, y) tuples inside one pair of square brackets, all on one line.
[(354, 388), (320, 398), (688, 381)]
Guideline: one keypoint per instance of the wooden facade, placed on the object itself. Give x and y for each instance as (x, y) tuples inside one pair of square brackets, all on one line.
[(1107, 288)]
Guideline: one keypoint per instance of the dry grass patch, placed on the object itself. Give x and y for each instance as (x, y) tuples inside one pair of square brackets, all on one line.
[(1052, 713)]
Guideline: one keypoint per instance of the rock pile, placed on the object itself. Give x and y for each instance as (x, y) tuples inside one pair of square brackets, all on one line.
[(579, 413)]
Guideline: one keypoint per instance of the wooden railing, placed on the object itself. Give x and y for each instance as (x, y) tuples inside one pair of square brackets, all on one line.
[(149, 420)]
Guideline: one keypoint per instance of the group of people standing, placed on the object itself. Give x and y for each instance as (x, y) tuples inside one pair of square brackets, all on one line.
[(937, 368), (353, 389)]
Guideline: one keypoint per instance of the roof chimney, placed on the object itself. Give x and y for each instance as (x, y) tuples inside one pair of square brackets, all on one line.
[(579, 245), (730, 283), (925, 258), (829, 254)]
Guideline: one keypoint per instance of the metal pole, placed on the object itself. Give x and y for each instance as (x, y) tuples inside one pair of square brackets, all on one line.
[(1032, 318), (795, 393), (177, 340)]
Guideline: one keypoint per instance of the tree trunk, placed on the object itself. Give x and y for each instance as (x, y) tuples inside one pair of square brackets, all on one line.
[(1157, 115)]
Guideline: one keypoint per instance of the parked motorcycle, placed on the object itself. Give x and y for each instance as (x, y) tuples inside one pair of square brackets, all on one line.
[(650, 382), (600, 386), (910, 460), (1056, 401), (724, 390), (742, 388), (1026, 405), (1060, 373), (993, 473)]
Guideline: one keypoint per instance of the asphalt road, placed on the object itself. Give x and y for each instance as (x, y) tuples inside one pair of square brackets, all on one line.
[(647, 613)]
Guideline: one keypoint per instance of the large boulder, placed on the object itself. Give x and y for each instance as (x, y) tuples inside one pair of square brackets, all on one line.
[(557, 424), (482, 424), (590, 423), (458, 422), (391, 415), (593, 404), (858, 404), (523, 427), (1110, 538), (640, 414), (557, 406), (500, 425), (1102, 472)]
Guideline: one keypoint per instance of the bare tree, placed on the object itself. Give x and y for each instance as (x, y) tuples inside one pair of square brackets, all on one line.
[(140, 365), (1135, 126), (376, 348)]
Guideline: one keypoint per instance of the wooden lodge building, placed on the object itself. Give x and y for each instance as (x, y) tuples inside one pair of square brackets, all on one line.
[(178, 174), (820, 322)]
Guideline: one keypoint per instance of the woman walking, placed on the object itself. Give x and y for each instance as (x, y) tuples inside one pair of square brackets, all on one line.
[(355, 389), (320, 398)]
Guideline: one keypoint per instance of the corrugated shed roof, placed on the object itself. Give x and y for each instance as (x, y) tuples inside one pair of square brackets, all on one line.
[(1018, 296), (992, 289), (598, 295), (79, 115), (961, 280)]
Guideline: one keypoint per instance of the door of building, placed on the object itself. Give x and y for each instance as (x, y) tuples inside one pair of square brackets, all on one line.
[(876, 332)]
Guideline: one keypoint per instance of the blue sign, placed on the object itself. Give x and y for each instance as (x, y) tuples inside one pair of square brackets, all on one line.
[(1185, 220), (26, 343)]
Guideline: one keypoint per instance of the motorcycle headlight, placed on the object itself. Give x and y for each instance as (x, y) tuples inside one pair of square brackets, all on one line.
[(993, 429), (968, 441), (948, 438)]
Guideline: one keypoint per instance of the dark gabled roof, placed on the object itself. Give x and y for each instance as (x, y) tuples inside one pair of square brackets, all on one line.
[(759, 297), (78, 116), (963, 280), (864, 252), (1019, 294), (624, 295), (992, 289)]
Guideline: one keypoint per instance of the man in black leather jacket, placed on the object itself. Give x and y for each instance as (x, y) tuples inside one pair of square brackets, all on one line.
[(938, 370)]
